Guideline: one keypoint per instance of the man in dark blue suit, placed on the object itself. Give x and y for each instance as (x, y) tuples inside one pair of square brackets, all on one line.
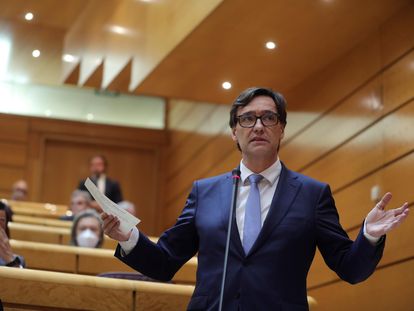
[(111, 188), (280, 218)]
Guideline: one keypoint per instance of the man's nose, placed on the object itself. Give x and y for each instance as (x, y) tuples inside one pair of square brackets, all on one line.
[(259, 125)]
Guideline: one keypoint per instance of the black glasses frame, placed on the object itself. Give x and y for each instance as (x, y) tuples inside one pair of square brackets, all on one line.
[(259, 117)]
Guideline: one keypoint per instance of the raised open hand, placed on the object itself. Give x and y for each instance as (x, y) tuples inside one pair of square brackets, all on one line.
[(379, 221)]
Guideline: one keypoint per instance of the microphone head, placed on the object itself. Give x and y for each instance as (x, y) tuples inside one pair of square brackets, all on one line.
[(235, 173)]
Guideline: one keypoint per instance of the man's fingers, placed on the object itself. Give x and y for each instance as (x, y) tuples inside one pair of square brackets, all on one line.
[(110, 223), (104, 215), (108, 219), (397, 221), (401, 209), (113, 225), (384, 201)]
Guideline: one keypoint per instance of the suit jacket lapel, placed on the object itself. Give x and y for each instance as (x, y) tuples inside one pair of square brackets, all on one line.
[(283, 198)]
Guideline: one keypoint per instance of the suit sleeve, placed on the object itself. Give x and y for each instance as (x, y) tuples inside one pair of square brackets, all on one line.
[(352, 261), (175, 247)]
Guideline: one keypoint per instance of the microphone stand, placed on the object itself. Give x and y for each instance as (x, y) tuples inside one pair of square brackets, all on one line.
[(235, 176)]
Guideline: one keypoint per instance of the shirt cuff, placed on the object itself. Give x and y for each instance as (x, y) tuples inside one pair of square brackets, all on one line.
[(128, 246), (373, 240)]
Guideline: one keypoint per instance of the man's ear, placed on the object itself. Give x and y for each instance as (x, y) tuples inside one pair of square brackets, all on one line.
[(233, 134), (282, 132)]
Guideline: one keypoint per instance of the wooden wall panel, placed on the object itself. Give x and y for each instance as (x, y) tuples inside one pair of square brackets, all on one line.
[(396, 37), (366, 152), (136, 170), (53, 155), (388, 289), (354, 202), (13, 128), (332, 85), (13, 154), (8, 176), (344, 121)]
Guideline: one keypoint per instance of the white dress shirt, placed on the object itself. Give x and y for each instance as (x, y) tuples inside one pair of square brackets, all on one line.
[(100, 183)]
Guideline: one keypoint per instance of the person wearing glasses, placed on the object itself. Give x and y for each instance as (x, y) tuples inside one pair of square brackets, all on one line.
[(281, 217)]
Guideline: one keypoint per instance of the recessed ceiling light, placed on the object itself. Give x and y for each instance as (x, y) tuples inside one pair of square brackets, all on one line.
[(28, 16), (36, 53), (48, 113), (90, 116), (69, 58), (270, 45), (226, 85)]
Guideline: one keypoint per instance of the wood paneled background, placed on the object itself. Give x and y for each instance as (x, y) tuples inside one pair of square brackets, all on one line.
[(351, 124), (53, 156)]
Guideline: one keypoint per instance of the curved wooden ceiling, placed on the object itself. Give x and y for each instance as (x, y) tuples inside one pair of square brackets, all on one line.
[(182, 49)]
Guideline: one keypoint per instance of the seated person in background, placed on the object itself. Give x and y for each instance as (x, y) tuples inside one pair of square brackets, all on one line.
[(19, 191), (7, 257), (87, 230), (128, 206), (79, 202), (111, 188)]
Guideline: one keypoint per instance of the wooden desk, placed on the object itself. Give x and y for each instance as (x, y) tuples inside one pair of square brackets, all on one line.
[(44, 290), (34, 209), (53, 235), (23, 219), (48, 234), (82, 260)]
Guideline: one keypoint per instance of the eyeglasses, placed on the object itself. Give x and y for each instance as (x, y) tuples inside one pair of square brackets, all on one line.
[(267, 119)]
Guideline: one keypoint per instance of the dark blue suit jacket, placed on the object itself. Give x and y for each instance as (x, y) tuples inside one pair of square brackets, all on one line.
[(112, 189), (272, 276)]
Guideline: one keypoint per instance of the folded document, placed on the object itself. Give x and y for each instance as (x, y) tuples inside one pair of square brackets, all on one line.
[(127, 221)]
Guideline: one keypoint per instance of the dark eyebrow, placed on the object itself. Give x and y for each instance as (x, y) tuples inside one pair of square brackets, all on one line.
[(254, 112)]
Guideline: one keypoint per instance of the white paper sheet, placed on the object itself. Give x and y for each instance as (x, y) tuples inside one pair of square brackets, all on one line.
[(127, 221)]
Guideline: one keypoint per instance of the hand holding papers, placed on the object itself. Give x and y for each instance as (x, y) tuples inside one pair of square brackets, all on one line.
[(127, 221)]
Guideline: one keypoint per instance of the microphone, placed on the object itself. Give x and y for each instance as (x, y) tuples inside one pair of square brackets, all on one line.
[(235, 177)]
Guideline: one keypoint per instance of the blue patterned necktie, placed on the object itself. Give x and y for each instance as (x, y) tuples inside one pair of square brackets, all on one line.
[(253, 214)]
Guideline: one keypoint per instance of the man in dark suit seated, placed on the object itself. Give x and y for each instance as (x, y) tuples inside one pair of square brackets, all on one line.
[(111, 188), (280, 218)]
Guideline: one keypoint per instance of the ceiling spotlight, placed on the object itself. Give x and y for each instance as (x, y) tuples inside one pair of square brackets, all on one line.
[(36, 53), (226, 85), (69, 58), (28, 16), (90, 117), (270, 45)]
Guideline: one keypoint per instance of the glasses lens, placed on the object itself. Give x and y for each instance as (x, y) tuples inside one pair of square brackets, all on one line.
[(247, 120), (269, 119)]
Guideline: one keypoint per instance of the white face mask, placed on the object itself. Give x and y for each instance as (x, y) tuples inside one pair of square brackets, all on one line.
[(87, 238)]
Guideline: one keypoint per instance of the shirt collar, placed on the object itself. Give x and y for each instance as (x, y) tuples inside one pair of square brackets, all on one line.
[(271, 174)]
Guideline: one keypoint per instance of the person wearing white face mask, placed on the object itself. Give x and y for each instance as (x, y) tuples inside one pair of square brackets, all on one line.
[(87, 230)]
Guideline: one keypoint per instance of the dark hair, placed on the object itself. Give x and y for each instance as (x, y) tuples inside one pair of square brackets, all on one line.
[(85, 214), (247, 96), (9, 214)]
